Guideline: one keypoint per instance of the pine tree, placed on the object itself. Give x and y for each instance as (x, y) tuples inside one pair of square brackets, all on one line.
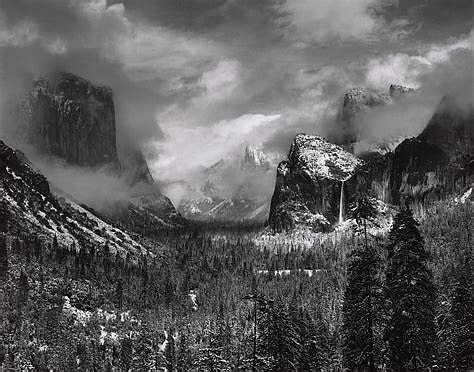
[(170, 351), (183, 357), (463, 319), (314, 342), (364, 211), (119, 293), (126, 354), (362, 293), (4, 216), (3, 255), (359, 309), (410, 295), (23, 289), (278, 337)]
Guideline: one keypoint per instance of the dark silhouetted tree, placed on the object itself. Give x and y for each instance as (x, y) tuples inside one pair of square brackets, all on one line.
[(463, 318), (4, 216), (410, 333), (3, 255), (23, 289), (360, 306), (362, 294)]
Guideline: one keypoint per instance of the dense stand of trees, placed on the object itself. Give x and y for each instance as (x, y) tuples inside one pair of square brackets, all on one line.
[(213, 300)]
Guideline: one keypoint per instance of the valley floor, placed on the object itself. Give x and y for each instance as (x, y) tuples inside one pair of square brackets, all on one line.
[(214, 298)]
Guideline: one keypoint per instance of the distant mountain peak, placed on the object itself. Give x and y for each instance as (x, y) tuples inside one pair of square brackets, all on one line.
[(255, 158), (234, 188), (396, 90)]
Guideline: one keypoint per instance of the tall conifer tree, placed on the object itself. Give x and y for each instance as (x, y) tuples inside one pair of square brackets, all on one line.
[(362, 293), (463, 318), (410, 295)]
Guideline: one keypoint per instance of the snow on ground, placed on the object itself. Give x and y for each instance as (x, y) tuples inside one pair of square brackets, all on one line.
[(303, 237), (84, 316), (118, 239), (300, 238), (111, 336), (63, 236), (192, 296), (80, 316), (466, 196), (308, 272), (112, 233), (165, 343)]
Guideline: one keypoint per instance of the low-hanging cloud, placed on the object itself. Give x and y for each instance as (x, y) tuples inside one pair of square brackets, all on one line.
[(408, 115), (187, 88), (199, 147), (409, 69)]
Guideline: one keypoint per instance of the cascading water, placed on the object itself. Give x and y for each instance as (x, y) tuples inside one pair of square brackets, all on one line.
[(341, 204)]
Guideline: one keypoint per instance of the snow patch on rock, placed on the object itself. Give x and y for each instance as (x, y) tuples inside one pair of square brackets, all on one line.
[(322, 159)]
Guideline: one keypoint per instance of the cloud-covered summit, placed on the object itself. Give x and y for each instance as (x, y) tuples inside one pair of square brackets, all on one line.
[(195, 80)]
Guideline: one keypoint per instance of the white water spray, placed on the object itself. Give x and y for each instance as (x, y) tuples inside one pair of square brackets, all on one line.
[(341, 204)]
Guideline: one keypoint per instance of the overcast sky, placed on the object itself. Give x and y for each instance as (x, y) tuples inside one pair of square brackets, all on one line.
[(196, 80)]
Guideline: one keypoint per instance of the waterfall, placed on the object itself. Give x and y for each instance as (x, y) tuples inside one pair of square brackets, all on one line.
[(341, 204)]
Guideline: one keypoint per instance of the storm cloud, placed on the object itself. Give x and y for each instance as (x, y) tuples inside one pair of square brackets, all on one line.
[(196, 81)]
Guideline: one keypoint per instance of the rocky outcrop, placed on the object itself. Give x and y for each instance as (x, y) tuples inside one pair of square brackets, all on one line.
[(349, 131), (308, 184), (15, 163), (69, 117), (432, 166), (346, 129), (256, 160), (397, 91), (438, 162), (135, 169)]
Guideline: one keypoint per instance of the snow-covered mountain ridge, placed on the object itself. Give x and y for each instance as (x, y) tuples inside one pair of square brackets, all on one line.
[(25, 196), (233, 189)]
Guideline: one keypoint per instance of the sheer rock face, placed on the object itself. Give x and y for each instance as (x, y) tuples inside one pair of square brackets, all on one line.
[(308, 184), (439, 161), (71, 118), (434, 165), (135, 169), (451, 128), (256, 160), (346, 129)]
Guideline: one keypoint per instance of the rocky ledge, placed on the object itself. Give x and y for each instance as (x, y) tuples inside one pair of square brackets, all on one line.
[(310, 184)]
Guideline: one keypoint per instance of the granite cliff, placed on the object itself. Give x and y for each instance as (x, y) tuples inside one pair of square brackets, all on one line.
[(309, 184), (70, 118), (316, 182)]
